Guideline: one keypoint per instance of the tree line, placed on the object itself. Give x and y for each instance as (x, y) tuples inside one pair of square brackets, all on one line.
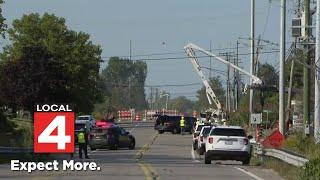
[(47, 62)]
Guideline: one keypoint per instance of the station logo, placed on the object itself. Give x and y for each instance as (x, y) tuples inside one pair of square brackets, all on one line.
[(53, 128)]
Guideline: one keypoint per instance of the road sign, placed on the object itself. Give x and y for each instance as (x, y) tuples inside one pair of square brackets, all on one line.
[(256, 118)]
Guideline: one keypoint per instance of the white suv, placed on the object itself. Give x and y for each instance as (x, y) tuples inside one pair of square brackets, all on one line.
[(86, 118), (228, 143), (195, 135), (202, 138)]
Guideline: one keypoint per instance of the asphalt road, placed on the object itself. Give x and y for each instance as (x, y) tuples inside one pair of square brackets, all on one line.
[(163, 156)]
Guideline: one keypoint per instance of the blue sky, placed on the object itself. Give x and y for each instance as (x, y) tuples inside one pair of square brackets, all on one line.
[(164, 26)]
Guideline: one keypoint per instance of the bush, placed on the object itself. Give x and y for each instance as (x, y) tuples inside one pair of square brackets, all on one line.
[(311, 170), (5, 124), (303, 145), (16, 133)]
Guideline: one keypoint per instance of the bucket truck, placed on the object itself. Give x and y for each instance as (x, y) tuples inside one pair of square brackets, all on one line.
[(216, 114)]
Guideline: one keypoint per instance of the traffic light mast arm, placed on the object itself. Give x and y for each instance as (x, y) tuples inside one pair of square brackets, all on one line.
[(209, 92), (191, 47)]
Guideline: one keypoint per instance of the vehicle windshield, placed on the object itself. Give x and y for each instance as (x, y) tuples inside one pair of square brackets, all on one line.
[(79, 126), (206, 131), (199, 127), (228, 132), (83, 118)]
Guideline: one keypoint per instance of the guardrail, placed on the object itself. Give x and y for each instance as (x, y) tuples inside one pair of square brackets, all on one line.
[(15, 150), (283, 155)]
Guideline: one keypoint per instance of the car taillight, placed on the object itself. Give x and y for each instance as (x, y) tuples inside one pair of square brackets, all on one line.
[(168, 124), (210, 140), (201, 139), (245, 141)]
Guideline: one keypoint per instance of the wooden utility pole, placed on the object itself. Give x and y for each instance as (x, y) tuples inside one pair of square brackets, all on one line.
[(306, 71)]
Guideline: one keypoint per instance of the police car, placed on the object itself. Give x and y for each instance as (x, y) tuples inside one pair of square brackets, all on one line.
[(228, 143)]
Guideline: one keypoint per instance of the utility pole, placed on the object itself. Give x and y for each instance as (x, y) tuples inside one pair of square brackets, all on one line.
[(288, 110), (129, 93), (228, 85), (306, 71), (252, 52), (281, 71), (210, 75), (234, 87), (237, 77), (317, 77), (130, 49), (256, 60), (151, 98)]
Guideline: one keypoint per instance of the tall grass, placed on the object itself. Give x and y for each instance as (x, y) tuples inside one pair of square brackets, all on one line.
[(303, 145)]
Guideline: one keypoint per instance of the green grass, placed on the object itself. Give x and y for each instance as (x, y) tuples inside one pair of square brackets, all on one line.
[(21, 135), (299, 144), (285, 170), (255, 161), (303, 145)]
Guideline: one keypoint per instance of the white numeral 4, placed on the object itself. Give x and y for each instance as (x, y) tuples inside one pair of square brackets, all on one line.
[(61, 139)]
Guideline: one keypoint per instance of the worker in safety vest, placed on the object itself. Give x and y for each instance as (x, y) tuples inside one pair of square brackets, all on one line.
[(182, 125), (82, 141)]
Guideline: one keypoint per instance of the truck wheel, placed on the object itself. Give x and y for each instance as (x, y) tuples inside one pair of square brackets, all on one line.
[(195, 144), (201, 151), (175, 131), (114, 146), (246, 161), (132, 144), (207, 160)]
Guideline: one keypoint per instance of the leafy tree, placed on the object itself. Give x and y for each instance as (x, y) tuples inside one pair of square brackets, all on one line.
[(268, 74), (263, 98), (269, 77), (216, 85), (125, 82), (47, 62), (181, 104), (3, 26)]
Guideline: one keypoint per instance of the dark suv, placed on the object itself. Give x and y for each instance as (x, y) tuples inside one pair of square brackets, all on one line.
[(171, 124), (113, 137)]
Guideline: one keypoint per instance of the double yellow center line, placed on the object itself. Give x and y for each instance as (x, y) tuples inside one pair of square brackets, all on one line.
[(148, 170)]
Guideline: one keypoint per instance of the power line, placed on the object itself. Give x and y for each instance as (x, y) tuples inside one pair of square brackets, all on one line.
[(160, 85), (185, 57), (176, 53)]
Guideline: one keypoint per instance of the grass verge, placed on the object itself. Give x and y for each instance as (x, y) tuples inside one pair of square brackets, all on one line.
[(285, 170)]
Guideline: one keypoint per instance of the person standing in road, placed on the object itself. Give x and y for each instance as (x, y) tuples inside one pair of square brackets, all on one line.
[(182, 125), (83, 141)]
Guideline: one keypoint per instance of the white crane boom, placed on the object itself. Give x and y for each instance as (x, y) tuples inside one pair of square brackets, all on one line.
[(191, 47), (209, 92)]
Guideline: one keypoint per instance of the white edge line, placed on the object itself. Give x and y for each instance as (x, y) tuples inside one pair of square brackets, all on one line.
[(249, 173), (193, 156)]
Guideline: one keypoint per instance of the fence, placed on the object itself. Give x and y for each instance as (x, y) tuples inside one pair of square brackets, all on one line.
[(283, 155)]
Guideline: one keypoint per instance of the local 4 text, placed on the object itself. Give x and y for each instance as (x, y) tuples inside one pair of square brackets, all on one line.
[(53, 129)]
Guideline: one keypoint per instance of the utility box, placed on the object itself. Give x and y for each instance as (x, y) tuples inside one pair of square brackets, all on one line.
[(307, 129), (296, 27)]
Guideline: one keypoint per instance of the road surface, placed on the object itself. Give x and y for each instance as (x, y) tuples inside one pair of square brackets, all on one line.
[(157, 156)]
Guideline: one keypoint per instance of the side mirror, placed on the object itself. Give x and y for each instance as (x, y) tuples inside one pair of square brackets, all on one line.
[(250, 137)]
